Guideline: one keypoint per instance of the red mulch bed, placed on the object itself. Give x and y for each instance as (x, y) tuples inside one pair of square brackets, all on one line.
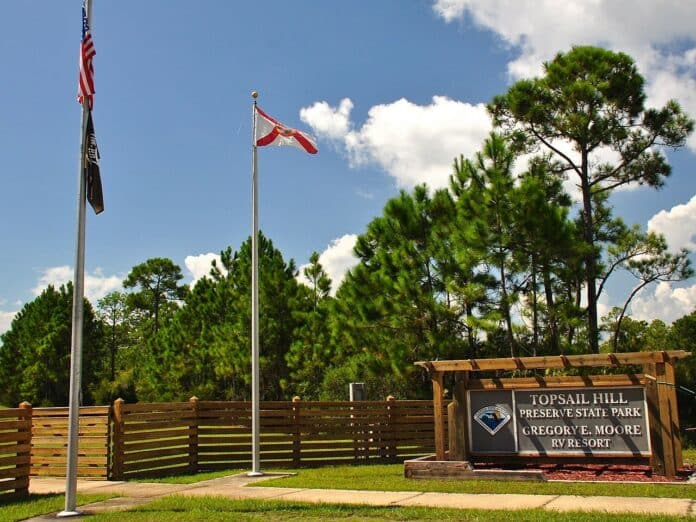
[(599, 472)]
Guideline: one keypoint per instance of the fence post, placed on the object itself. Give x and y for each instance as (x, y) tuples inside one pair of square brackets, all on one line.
[(118, 448), (24, 489), (193, 436), (391, 428), (296, 433)]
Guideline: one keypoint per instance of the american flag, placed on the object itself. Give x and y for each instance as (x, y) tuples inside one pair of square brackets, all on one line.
[(85, 84)]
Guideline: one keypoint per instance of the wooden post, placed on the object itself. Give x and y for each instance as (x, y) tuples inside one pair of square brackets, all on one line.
[(24, 451), (296, 433), (458, 422), (452, 442), (118, 447), (438, 414), (657, 459), (674, 413), (663, 394), (193, 436), (392, 428)]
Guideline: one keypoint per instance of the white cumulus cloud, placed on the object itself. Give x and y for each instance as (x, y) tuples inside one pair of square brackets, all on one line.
[(677, 224), (413, 143), (336, 260), (199, 266), (97, 284), (329, 122), (659, 36), (6, 320), (666, 303)]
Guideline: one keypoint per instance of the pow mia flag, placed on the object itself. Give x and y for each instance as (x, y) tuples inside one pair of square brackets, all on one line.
[(91, 166)]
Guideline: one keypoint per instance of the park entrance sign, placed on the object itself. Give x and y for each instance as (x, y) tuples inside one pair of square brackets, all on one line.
[(559, 422), (604, 418)]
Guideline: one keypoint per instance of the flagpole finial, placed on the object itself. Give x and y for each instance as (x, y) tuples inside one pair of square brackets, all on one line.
[(254, 94)]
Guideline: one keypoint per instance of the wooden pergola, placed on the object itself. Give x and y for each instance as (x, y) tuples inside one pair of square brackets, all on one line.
[(658, 379)]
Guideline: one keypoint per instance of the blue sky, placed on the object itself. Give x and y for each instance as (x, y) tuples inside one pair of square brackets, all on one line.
[(393, 90)]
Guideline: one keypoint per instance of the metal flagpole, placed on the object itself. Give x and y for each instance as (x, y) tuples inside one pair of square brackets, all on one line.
[(255, 412), (77, 321)]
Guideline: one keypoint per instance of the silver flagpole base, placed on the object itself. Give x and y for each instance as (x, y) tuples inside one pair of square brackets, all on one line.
[(255, 474), (65, 514)]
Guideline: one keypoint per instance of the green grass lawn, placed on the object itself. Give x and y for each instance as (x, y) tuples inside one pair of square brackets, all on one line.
[(689, 455), (390, 477), (213, 509), (34, 505)]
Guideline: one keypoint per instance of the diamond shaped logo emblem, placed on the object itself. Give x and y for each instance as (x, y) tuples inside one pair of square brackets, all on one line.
[(493, 418)]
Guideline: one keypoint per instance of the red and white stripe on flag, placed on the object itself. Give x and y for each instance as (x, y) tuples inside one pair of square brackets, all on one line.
[(271, 132), (85, 84)]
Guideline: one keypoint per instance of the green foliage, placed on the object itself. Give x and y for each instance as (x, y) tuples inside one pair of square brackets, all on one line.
[(113, 311), (682, 336), (397, 305), (107, 390), (494, 266), (35, 351), (205, 348), (640, 336), (548, 253), (378, 386), (592, 98), (311, 351), (156, 283), (486, 222)]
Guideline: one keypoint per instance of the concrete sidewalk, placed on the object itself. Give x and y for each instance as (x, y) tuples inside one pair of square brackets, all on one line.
[(133, 494)]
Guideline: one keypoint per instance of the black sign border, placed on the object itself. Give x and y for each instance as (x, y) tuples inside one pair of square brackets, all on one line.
[(554, 452)]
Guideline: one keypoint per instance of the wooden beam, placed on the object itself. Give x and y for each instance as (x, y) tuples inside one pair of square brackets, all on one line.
[(568, 381), (553, 361), (507, 460)]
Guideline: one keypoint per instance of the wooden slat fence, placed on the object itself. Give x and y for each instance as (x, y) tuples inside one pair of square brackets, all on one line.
[(167, 438), (224, 434), (147, 440), (49, 442), (15, 444), (153, 439)]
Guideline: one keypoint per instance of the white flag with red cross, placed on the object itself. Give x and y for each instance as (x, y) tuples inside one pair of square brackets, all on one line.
[(270, 131)]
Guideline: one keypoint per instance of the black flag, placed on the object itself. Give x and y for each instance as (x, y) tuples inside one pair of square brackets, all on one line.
[(92, 177)]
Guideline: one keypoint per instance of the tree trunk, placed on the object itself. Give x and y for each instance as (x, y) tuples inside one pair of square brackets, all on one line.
[(617, 331), (590, 258), (535, 309), (506, 309), (470, 331), (113, 350), (551, 312)]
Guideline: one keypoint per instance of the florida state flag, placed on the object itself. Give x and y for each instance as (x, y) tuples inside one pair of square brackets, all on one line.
[(271, 132)]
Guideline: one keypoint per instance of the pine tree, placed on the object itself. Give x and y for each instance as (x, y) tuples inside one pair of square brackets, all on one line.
[(593, 99), (35, 351)]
